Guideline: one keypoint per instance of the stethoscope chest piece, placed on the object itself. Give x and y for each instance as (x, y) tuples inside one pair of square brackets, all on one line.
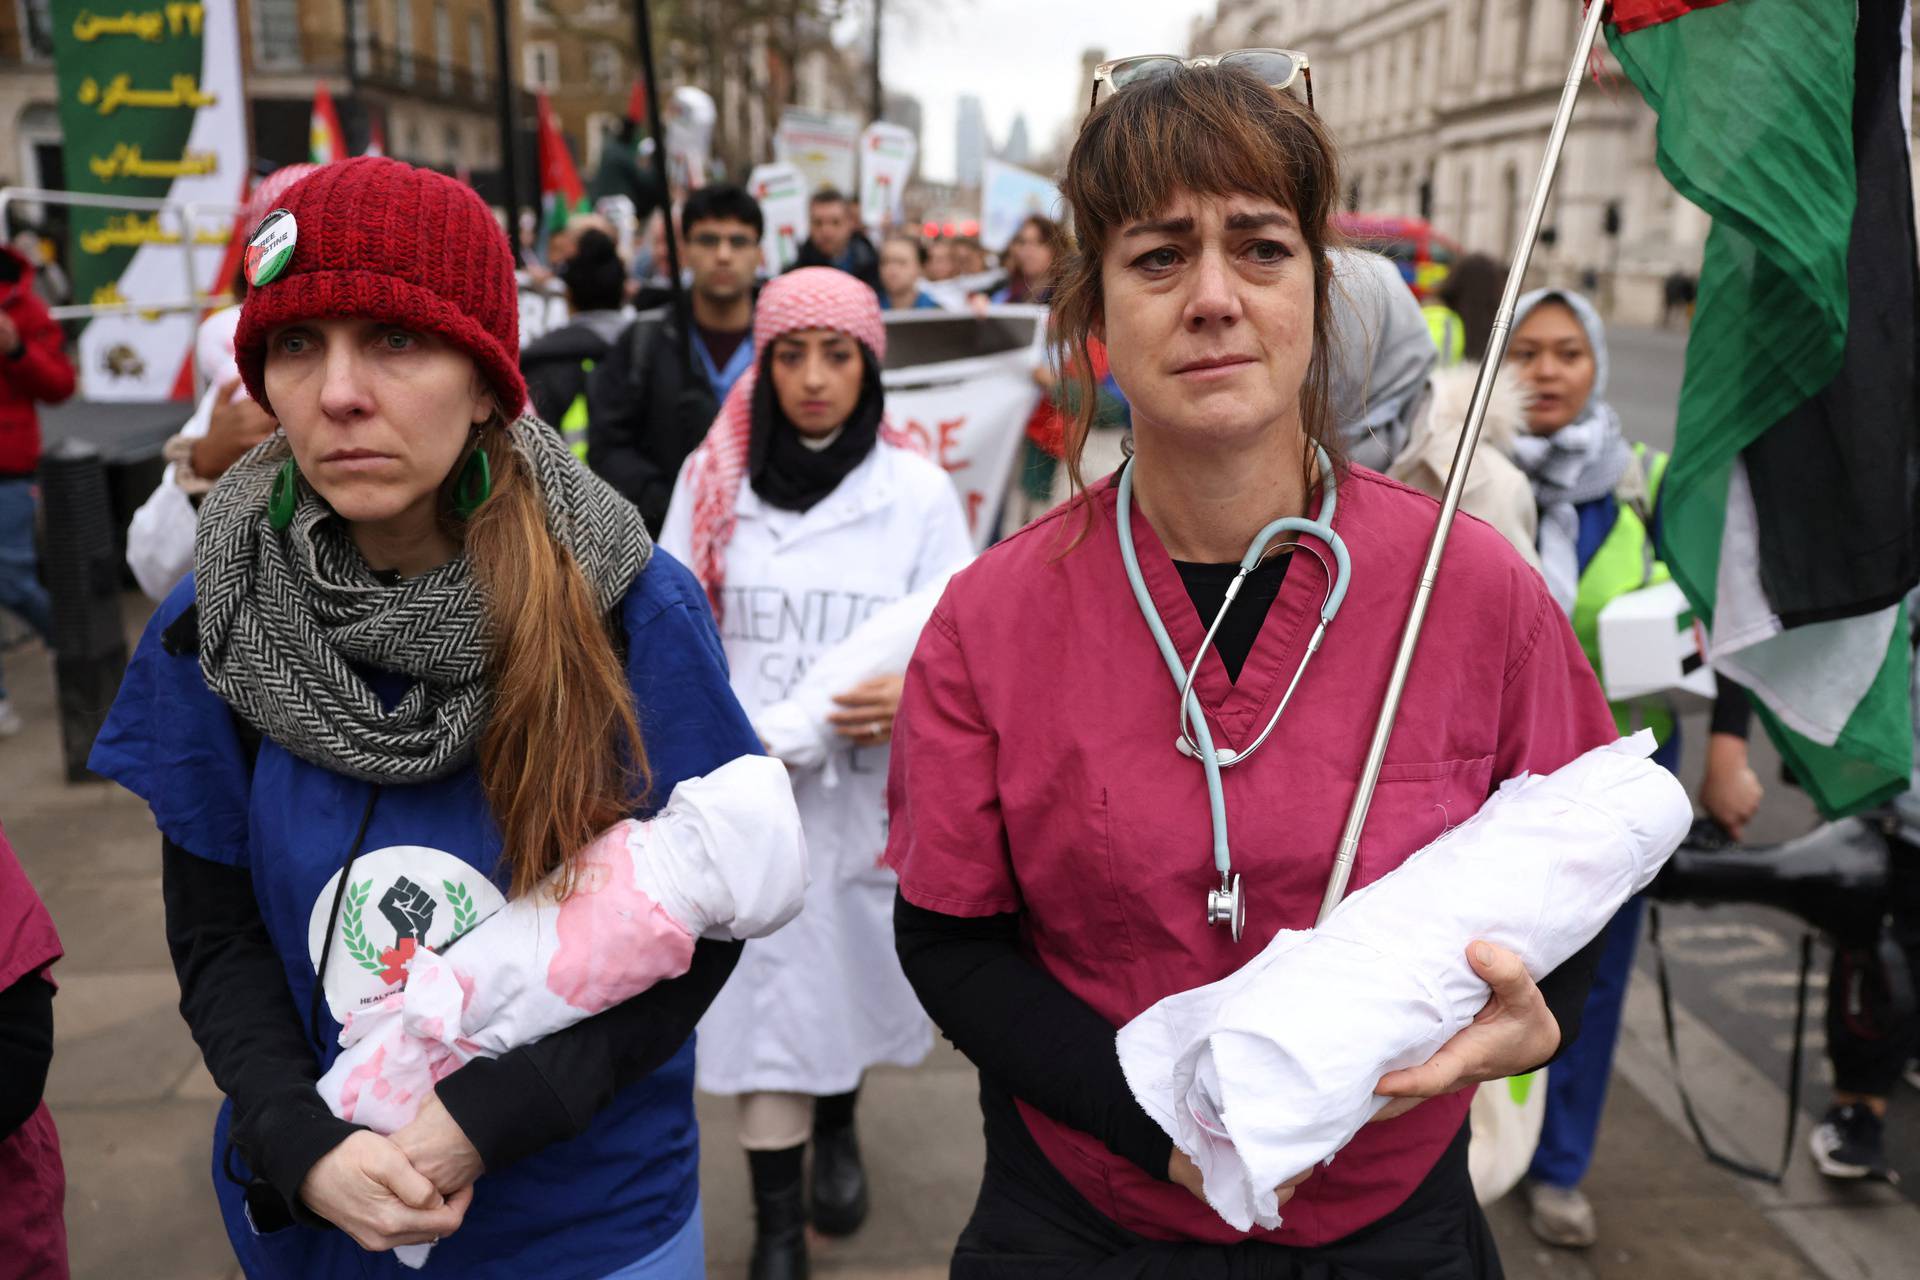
[(1225, 905)]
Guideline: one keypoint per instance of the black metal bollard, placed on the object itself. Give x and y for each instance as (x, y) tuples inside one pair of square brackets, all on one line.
[(83, 577)]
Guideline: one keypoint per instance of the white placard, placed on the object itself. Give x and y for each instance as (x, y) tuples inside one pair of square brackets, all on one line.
[(823, 145), (887, 153), (690, 117), (1008, 195), (781, 190), (1651, 643)]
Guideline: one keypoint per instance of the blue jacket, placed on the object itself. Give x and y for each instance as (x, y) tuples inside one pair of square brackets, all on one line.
[(576, 1210)]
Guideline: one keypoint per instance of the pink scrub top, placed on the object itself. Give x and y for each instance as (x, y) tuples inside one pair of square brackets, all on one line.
[(1034, 770), (32, 1180)]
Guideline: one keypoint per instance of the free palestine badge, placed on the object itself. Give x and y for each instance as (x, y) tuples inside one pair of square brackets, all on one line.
[(271, 248)]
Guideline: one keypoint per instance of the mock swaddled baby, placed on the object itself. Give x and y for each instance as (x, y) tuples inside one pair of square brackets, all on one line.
[(1262, 1075), (724, 859)]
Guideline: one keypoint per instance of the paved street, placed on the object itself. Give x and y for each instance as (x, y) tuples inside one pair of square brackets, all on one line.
[(134, 1106)]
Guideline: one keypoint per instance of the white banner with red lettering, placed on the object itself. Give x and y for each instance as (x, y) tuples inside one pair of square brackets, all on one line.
[(967, 412)]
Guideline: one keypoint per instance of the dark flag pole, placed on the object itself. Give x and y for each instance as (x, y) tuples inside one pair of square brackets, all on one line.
[(509, 133), (879, 93), (643, 32)]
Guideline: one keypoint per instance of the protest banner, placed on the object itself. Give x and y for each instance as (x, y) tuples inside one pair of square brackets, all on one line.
[(960, 390), (151, 108), (822, 145), (886, 162), (781, 190), (1008, 195)]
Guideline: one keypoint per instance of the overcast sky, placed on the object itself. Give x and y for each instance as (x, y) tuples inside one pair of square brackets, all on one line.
[(1018, 56)]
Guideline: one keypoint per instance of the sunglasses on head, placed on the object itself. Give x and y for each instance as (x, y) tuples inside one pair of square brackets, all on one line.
[(1277, 68)]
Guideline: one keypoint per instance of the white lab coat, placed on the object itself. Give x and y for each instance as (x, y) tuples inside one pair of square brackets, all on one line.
[(812, 1007)]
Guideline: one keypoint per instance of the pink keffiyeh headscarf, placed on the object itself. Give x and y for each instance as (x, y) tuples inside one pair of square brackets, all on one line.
[(810, 298)]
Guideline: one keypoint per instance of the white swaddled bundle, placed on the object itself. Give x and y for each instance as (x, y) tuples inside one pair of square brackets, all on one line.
[(723, 859), (1262, 1075)]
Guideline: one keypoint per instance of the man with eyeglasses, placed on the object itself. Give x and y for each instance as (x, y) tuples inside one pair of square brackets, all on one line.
[(834, 239), (644, 416)]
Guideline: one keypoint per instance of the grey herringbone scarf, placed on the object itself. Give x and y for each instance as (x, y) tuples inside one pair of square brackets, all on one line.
[(289, 619)]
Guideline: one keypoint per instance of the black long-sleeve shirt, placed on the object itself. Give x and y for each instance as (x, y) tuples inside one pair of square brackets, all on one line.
[(234, 997), (26, 1049), (1035, 1039)]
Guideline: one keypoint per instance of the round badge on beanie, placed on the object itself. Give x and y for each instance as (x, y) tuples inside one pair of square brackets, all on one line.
[(377, 239), (271, 248)]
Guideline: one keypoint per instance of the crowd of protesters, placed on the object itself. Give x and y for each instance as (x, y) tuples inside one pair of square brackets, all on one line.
[(439, 602)]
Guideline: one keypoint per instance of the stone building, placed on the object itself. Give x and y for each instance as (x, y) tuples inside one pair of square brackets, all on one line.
[(29, 112), (1442, 109)]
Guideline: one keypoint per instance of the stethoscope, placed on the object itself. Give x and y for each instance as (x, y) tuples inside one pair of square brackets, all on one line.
[(1226, 905)]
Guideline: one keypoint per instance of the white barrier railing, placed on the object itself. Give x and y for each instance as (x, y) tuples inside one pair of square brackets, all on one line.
[(190, 217)]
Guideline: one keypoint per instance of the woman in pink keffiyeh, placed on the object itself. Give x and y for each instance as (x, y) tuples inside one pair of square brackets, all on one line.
[(801, 517)]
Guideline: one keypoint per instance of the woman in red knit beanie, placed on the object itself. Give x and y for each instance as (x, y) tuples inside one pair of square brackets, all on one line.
[(424, 658)]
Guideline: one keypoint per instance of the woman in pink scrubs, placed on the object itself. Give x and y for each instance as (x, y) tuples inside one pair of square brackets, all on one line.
[(1054, 849)]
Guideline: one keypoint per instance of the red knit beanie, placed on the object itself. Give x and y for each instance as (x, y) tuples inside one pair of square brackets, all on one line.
[(378, 239)]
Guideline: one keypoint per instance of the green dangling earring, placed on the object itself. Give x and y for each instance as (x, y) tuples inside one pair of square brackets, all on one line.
[(475, 484), (285, 496)]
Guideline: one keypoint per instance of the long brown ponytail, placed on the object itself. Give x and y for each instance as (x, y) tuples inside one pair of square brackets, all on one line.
[(561, 758)]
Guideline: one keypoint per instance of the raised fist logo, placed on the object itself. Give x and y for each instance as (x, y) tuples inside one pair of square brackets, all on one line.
[(409, 909)]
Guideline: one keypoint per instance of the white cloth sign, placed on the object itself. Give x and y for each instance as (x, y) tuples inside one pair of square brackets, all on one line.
[(823, 145), (886, 162), (968, 414), (781, 190), (1008, 194), (1266, 1073)]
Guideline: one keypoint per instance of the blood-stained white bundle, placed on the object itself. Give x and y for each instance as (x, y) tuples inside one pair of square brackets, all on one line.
[(724, 859)]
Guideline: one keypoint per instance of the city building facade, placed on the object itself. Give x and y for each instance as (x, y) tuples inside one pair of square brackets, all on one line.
[(1442, 109), (971, 144)]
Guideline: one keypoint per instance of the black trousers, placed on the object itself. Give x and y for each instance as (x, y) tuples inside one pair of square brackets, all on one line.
[(1873, 1027), (1030, 1224)]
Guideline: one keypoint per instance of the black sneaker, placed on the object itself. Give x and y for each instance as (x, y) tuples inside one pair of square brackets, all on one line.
[(1848, 1143)]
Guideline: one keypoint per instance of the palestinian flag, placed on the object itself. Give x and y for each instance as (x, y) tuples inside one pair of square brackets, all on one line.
[(561, 191), (1788, 514), (326, 141)]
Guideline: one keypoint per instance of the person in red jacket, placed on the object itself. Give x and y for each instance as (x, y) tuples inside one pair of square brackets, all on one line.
[(33, 368)]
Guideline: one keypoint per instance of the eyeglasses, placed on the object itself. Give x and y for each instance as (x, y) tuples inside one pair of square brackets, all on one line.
[(713, 240), (1277, 68)]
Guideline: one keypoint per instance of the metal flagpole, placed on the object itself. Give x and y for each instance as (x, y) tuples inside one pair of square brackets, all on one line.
[(1462, 459)]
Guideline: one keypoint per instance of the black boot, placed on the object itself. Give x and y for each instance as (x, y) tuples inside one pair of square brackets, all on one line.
[(779, 1216), (839, 1183)]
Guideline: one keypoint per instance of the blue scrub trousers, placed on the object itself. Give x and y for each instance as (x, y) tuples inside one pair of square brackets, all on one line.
[(1577, 1080)]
